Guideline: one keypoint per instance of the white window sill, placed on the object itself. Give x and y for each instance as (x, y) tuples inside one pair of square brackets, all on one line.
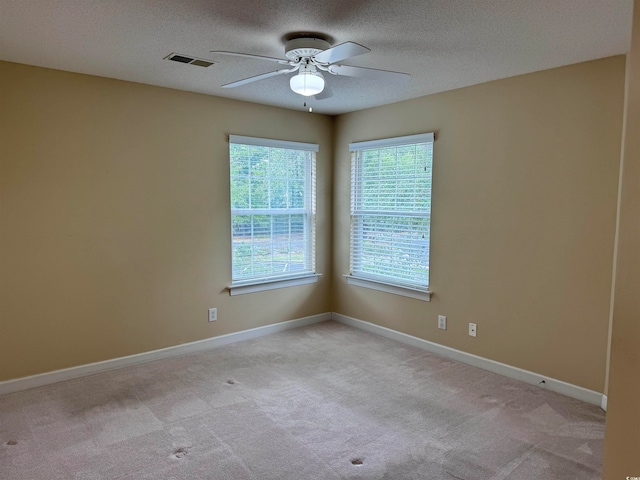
[(260, 286), (389, 288)]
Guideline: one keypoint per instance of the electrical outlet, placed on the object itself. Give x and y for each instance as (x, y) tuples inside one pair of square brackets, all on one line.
[(473, 330), (213, 314), (442, 322)]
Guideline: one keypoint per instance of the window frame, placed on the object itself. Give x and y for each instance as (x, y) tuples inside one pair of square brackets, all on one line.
[(366, 279), (274, 281)]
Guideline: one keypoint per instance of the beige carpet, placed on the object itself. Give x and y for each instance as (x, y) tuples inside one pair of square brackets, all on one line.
[(322, 402)]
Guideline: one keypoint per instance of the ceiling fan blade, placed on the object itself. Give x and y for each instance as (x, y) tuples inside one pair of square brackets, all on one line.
[(281, 61), (341, 52), (369, 73), (327, 92), (257, 77)]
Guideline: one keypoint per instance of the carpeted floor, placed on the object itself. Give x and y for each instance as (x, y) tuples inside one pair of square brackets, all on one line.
[(321, 402)]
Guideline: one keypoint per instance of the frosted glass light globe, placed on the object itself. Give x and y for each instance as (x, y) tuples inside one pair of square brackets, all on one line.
[(307, 83)]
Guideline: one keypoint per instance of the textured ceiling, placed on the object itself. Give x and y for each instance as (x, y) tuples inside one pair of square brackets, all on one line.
[(443, 44)]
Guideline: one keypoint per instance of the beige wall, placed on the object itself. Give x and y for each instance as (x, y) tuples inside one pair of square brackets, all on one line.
[(622, 440), (114, 218), (115, 223), (524, 199)]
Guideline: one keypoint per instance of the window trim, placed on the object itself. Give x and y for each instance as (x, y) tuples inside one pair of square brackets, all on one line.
[(371, 281), (274, 282), (271, 143), (392, 142), (384, 286)]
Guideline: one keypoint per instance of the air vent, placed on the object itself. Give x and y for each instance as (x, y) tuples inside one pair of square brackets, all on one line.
[(181, 59), (199, 62)]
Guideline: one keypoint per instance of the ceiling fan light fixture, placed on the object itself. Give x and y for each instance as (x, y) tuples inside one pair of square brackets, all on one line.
[(307, 82)]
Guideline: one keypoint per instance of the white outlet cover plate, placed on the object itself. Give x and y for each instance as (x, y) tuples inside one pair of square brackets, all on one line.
[(442, 322), (213, 314), (473, 329)]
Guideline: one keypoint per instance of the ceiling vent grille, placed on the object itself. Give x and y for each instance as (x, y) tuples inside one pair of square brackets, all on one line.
[(199, 62)]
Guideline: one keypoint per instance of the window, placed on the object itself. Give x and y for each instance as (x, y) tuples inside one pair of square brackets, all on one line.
[(390, 214), (272, 213)]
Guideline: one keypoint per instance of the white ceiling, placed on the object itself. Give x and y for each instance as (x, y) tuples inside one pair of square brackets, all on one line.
[(443, 44)]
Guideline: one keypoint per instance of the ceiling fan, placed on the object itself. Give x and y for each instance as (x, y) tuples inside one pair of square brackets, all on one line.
[(311, 56)]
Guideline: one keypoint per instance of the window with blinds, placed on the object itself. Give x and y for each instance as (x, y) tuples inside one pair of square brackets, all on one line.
[(390, 210), (272, 209)]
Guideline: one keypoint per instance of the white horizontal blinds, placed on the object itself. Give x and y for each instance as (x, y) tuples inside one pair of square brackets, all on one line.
[(390, 210), (271, 210)]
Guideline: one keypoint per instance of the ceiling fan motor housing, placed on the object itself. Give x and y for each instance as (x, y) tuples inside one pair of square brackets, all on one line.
[(304, 47)]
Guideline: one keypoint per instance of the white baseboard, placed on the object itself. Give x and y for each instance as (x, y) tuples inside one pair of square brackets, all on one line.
[(526, 376), (56, 376)]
